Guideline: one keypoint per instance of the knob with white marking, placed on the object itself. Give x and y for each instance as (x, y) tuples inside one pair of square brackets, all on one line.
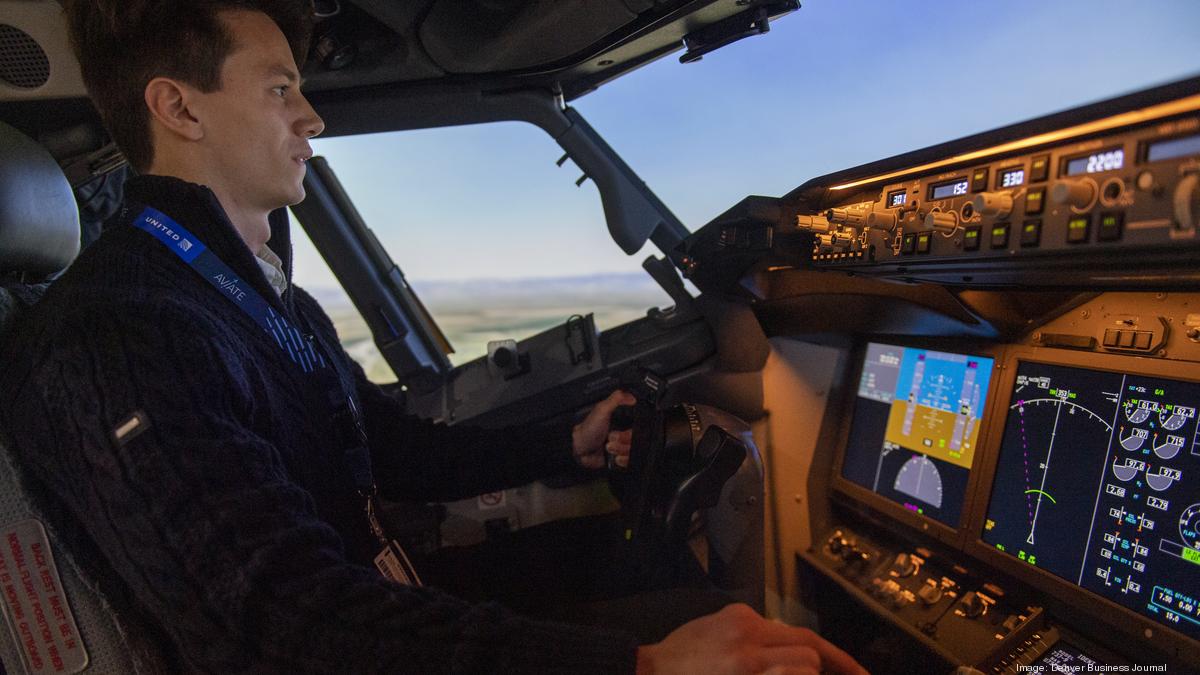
[(882, 220), (942, 221), (1078, 193), (993, 204), (1187, 202), (818, 224)]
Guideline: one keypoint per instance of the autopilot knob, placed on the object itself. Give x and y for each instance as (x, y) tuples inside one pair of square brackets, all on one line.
[(854, 219), (972, 604), (993, 204), (819, 224), (942, 221), (882, 220), (1187, 202), (1078, 193)]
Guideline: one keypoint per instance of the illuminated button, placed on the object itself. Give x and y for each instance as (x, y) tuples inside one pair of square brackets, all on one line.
[(1035, 201), (1141, 340), (1110, 226), (1078, 228), (1039, 169), (971, 238), (1000, 235), (979, 179), (923, 241), (908, 244), (1111, 337), (1031, 233), (1125, 339)]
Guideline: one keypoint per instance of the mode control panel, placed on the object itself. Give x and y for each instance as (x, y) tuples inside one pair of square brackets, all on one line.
[(1130, 188)]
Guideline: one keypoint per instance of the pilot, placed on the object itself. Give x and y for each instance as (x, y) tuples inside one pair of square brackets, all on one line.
[(194, 413)]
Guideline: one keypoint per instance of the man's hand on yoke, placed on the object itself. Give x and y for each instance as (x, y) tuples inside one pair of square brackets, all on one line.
[(737, 641), (592, 437)]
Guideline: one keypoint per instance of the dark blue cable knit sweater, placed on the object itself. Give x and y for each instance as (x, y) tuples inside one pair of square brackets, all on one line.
[(230, 521)]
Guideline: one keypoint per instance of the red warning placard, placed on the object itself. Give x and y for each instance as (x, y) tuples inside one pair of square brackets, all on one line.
[(35, 606)]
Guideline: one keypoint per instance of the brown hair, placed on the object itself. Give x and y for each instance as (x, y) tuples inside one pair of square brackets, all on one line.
[(123, 44)]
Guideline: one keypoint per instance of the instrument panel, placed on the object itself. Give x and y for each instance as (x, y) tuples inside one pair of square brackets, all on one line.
[(1045, 474), (1095, 190)]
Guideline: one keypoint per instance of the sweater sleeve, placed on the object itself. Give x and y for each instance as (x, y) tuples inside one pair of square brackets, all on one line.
[(415, 459), (197, 514)]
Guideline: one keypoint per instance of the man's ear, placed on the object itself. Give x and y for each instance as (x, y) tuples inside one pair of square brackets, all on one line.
[(170, 104)]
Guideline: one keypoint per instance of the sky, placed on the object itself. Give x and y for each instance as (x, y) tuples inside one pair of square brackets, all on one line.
[(834, 85)]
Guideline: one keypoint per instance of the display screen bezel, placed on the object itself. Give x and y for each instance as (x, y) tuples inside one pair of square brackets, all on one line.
[(1144, 147), (1001, 173), (890, 196), (934, 187), (845, 488), (1065, 162), (1056, 588)]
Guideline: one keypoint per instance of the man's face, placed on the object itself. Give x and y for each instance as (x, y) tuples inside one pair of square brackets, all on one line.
[(257, 125)]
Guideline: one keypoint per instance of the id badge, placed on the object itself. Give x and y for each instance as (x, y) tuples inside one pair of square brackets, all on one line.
[(388, 564)]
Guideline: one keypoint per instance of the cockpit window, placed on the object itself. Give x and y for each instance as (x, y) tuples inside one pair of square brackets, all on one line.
[(500, 243), (496, 239)]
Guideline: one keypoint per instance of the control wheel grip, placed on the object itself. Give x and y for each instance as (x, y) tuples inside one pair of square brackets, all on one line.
[(723, 455)]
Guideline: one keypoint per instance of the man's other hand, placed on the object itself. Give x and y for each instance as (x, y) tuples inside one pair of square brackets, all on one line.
[(737, 641), (592, 437)]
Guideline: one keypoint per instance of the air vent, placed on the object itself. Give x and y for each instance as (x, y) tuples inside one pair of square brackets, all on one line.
[(23, 63)]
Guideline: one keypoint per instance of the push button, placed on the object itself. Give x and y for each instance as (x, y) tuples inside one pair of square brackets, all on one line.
[(923, 242), (1039, 169), (1000, 235), (1141, 340), (908, 244), (1031, 233), (971, 236), (1111, 337), (1078, 229), (1035, 201), (1110, 227), (979, 180), (1125, 339)]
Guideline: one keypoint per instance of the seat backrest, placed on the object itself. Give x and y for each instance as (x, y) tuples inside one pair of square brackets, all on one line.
[(57, 618)]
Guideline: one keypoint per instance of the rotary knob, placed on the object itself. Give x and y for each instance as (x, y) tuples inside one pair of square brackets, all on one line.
[(997, 204), (818, 224), (882, 220), (942, 221), (904, 565), (973, 605), (1187, 202), (1079, 194), (845, 217), (930, 593)]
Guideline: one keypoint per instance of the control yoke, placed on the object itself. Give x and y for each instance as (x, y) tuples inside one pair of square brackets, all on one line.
[(687, 459)]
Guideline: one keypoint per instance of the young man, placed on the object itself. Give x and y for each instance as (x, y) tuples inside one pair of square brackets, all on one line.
[(194, 412)]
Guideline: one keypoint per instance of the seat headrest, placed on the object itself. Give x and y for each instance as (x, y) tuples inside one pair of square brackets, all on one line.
[(39, 220)]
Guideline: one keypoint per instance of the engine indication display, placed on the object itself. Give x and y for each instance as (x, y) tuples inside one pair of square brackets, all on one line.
[(916, 426), (1096, 483), (954, 188), (1109, 159)]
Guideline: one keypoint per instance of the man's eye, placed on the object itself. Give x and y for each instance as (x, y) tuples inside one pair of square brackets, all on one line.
[(281, 91)]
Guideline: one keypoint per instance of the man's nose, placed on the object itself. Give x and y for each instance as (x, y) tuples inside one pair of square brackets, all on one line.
[(310, 123)]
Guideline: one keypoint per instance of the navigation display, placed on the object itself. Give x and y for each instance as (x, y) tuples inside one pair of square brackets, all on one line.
[(916, 427), (1098, 482)]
